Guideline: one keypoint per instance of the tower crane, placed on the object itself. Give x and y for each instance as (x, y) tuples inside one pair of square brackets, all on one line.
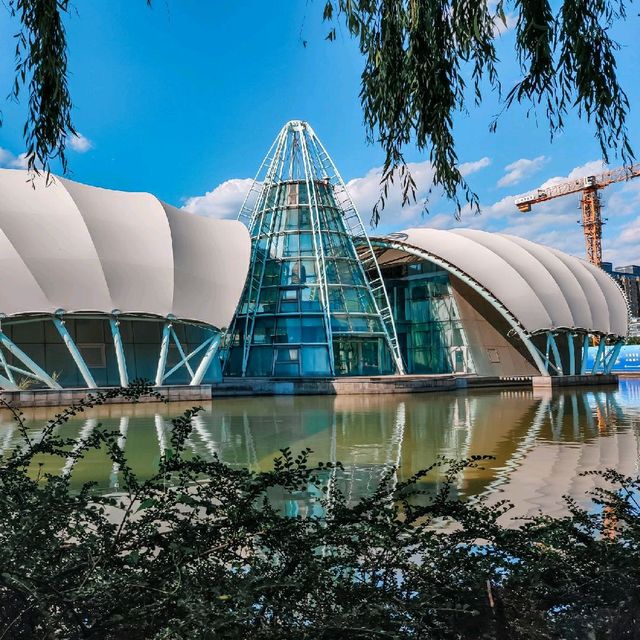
[(590, 205)]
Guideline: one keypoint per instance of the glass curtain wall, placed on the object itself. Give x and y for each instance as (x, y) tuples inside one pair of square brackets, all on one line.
[(431, 335), (296, 322)]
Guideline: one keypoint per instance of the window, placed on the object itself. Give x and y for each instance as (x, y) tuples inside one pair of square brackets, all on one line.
[(93, 355), (292, 199), (494, 356), (287, 362)]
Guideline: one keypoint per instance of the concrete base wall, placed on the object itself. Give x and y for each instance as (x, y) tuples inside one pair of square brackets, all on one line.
[(65, 397), (313, 386), (552, 382), (389, 384)]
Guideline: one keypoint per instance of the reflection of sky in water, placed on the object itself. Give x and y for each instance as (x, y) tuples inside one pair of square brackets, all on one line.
[(540, 441)]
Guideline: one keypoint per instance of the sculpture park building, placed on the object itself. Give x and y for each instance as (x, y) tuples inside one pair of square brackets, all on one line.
[(98, 287)]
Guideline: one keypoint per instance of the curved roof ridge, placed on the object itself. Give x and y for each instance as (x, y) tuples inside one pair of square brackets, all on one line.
[(98, 249), (571, 288), (60, 248), (135, 225), (13, 278), (595, 302), (488, 269), (63, 183), (617, 305), (530, 267)]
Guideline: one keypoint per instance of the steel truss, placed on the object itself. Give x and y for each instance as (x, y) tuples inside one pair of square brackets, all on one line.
[(30, 369), (298, 155)]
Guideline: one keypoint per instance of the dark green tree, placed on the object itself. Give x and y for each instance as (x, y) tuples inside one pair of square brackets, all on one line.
[(424, 61)]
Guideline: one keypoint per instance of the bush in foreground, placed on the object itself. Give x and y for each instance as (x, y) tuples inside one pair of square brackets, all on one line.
[(201, 551)]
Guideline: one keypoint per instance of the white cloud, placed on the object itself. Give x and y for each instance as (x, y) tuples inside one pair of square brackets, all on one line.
[(587, 169), (467, 168), (553, 223), (556, 222), (365, 192), (80, 143), (222, 202), (521, 169), (9, 161)]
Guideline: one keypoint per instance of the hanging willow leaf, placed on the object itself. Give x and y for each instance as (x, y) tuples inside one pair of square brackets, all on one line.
[(417, 56), (418, 53)]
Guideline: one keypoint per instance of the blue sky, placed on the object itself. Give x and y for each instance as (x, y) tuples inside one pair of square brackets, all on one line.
[(184, 99)]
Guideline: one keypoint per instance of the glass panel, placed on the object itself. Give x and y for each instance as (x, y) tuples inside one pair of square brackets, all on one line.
[(287, 355), (268, 297), (292, 195), (260, 361), (271, 273), (302, 193), (298, 272), (308, 271), (313, 329), (305, 218), (306, 244), (331, 271), (360, 324), (340, 324), (336, 300), (352, 300), (370, 364), (288, 330), (315, 361), (292, 219), (310, 299), (292, 244), (263, 330)]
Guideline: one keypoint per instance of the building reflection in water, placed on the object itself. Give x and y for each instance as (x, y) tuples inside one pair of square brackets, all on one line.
[(541, 442)]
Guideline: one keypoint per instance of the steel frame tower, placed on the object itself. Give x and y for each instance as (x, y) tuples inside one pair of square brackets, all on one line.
[(298, 181)]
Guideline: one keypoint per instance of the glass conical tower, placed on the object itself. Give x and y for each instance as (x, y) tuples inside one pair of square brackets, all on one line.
[(312, 304)]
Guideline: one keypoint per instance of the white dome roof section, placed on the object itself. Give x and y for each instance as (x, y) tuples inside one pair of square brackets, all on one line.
[(214, 260), (132, 240), (77, 248), (50, 240), (542, 288)]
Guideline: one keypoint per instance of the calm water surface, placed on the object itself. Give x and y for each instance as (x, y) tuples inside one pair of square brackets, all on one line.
[(541, 441)]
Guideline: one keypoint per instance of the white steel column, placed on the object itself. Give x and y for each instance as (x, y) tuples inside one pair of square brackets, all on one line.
[(119, 348), (7, 370), (212, 349), (585, 354), (613, 356), (572, 354), (164, 350), (75, 353), (599, 355), (7, 385), (556, 354), (183, 355), (37, 371)]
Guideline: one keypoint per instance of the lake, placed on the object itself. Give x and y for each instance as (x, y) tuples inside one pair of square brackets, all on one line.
[(541, 441)]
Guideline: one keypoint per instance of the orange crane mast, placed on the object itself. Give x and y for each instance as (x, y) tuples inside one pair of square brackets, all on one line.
[(590, 203)]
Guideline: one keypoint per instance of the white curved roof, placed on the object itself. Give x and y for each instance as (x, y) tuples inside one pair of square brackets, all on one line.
[(76, 248), (541, 287)]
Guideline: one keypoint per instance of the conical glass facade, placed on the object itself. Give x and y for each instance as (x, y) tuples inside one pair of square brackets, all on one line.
[(312, 305)]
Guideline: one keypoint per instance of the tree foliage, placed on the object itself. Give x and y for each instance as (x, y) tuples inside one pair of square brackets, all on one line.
[(201, 550), (424, 62)]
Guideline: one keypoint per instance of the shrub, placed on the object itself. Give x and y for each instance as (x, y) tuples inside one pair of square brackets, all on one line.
[(201, 550)]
